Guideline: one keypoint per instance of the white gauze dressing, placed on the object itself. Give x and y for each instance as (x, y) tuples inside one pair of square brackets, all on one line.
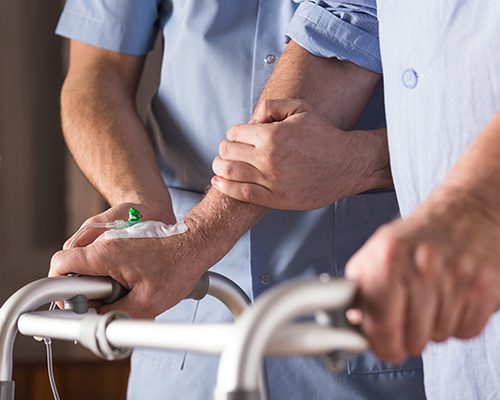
[(147, 229)]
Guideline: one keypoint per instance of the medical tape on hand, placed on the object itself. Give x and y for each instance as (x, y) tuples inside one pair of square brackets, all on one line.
[(147, 229)]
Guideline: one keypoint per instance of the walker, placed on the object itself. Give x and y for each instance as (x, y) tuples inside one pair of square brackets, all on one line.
[(267, 327)]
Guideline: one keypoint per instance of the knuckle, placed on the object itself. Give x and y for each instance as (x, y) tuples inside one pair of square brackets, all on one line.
[(275, 133), (302, 104), (465, 271), (232, 133), (224, 149), (247, 193), (56, 262), (416, 346), (388, 255), (381, 330), (469, 331), (441, 334), (215, 164), (266, 105), (485, 282), (228, 170)]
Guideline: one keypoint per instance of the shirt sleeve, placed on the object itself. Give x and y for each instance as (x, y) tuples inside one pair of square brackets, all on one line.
[(347, 30), (127, 26)]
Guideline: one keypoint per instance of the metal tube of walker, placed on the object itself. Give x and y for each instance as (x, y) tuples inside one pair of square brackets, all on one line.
[(31, 297), (298, 339), (237, 377)]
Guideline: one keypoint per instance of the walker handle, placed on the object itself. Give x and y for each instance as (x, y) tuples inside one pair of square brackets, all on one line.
[(117, 292)]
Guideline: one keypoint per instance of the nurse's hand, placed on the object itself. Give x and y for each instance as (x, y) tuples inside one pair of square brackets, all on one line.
[(295, 158), (159, 272), (432, 276)]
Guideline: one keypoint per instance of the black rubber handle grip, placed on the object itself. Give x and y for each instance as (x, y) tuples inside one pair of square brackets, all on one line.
[(117, 292)]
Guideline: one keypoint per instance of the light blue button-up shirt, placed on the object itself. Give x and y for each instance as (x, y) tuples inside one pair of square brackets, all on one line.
[(441, 67), (217, 56)]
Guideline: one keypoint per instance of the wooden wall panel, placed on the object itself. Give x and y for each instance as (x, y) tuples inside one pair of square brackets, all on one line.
[(98, 380)]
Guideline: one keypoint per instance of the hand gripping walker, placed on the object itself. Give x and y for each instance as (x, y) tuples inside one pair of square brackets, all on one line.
[(265, 328)]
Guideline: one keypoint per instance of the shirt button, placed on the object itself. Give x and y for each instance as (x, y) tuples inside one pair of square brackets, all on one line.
[(270, 59), (265, 279), (410, 78)]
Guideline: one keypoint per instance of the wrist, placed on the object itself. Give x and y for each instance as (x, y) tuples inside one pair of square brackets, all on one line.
[(152, 209), (221, 220), (374, 164), (455, 198)]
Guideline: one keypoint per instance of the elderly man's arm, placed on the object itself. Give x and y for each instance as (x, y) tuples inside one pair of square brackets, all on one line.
[(436, 274), (160, 272)]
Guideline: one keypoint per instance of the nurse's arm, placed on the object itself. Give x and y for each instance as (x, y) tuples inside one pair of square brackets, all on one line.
[(106, 135), (436, 274), (340, 89)]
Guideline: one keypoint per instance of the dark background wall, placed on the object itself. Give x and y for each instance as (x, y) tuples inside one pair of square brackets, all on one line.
[(43, 196)]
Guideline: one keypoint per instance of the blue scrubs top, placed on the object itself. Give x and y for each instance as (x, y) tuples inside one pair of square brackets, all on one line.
[(217, 56)]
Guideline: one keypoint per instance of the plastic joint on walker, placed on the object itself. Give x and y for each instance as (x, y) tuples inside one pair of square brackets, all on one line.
[(92, 335)]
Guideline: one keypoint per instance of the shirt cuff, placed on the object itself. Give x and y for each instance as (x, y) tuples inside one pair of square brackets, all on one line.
[(110, 37), (325, 35)]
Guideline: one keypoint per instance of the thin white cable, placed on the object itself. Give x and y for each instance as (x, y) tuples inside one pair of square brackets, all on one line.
[(50, 364)]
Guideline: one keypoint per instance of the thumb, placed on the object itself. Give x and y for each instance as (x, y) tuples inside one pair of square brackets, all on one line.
[(277, 110)]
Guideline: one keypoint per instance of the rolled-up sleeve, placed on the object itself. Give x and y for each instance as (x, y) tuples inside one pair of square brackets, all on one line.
[(347, 30), (127, 26)]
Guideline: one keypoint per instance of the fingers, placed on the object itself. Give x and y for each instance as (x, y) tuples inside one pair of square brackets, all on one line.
[(422, 305), (278, 110), (83, 237), (480, 303), (130, 305), (383, 322), (82, 261), (244, 133), (88, 232), (237, 171), (455, 282), (382, 297), (236, 151), (246, 192), (473, 320)]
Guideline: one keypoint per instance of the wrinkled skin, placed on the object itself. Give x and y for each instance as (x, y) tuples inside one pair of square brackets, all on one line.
[(432, 276)]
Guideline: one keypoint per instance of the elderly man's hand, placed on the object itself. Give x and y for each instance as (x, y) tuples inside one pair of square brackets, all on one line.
[(295, 158), (157, 212), (432, 276), (159, 272)]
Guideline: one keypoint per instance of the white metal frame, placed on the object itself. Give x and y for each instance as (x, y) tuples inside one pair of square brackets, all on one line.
[(268, 327)]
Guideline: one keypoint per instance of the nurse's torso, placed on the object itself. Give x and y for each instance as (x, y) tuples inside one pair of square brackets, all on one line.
[(217, 57)]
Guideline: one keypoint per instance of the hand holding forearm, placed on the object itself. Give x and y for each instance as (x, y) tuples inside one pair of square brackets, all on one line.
[(297, 154), (301, 163)]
